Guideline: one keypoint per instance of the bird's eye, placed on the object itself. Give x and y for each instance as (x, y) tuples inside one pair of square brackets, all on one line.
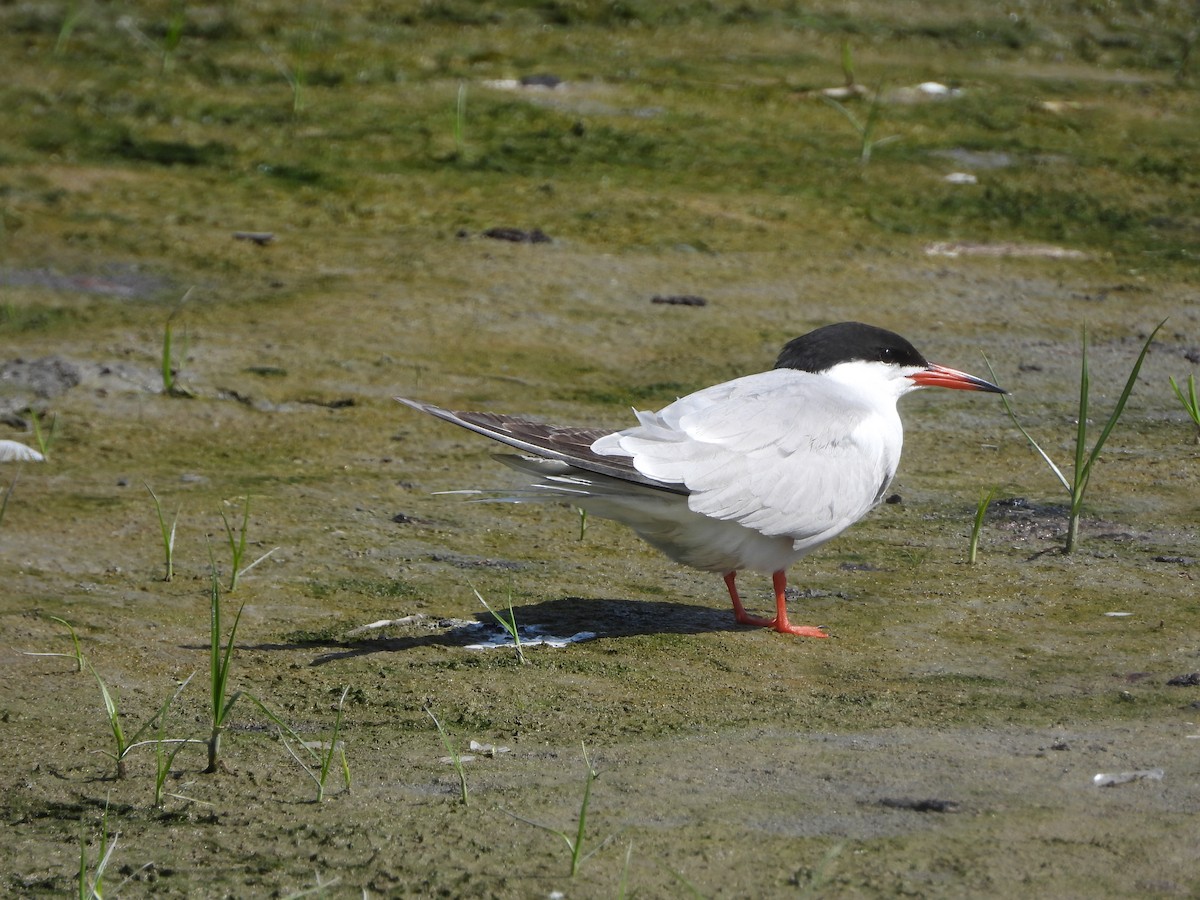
[(887, 355)]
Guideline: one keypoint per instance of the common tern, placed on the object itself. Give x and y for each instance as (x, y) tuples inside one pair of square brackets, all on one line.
[(754, 473)]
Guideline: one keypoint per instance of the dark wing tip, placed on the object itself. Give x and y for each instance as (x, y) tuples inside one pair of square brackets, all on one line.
[(566, 444)]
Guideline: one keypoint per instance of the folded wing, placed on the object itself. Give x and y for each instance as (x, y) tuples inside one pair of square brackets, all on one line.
[(782, 452)]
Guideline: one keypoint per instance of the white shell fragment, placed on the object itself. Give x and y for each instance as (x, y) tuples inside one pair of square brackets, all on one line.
[(385, 623), (1001, 249), (488, 750), (960, 178), (11, 451), (1104, 780), (531, 636)]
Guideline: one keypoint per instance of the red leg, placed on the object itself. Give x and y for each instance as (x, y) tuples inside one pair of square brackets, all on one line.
[(780, 622), (739, 611)]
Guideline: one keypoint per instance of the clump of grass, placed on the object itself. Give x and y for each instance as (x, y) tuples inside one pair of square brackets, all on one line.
[(1189, 401), (75, 11), (237, 546), (294, 75), (319, 762), (44, 438), (455, 758), (113, 712), (985, 500), (163, 758), (220, 701), (170, 371), (173, 36), (92, 888), (122, 746), (509, 625), (574, 844), (168, 534), (1085, 460), (864, 127)]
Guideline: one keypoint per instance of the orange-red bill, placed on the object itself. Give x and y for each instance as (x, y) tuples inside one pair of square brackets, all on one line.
[(941, 376)]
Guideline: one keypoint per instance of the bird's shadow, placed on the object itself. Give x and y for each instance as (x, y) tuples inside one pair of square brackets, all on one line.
[(604, 617)]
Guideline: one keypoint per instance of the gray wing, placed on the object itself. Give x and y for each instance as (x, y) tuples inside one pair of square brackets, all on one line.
[(566, 444)]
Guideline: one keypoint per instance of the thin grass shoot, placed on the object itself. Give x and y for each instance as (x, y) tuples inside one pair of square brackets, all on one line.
[(319, 764), (44, 438), (985, 500), (455, 758), (460, 123), (168, 534), (169, 367), (623, 884), (164, 758), (237, 547), (509, 624), (293, 75), (92, 887), (77, 653), (1189, 401), (865, 128), (113, 713), (173, 35), (74, 14), (574, 844), (124, 746), (220, 662), (1085, 459)]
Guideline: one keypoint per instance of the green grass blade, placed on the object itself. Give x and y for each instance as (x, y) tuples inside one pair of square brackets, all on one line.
[(577, 848), (1121, 401), (847, 64), (225, 666), (112, 710), (1174, 386), (168, 534), (284, 726), (850, 117), (454, 757), (78, 655), (216, 685), (1062, 479), (985, 500), (43, 440), (1081, 428), (159, 717), (327, 760), (509, 624), (219, 667)]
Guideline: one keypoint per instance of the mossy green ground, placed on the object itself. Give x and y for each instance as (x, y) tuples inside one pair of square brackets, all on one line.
[(685, 154)]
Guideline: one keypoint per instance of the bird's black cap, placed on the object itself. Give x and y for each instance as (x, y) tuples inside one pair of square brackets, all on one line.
[(847, 342)]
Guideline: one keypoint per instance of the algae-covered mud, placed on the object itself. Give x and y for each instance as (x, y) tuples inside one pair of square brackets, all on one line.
[(231, 234)]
